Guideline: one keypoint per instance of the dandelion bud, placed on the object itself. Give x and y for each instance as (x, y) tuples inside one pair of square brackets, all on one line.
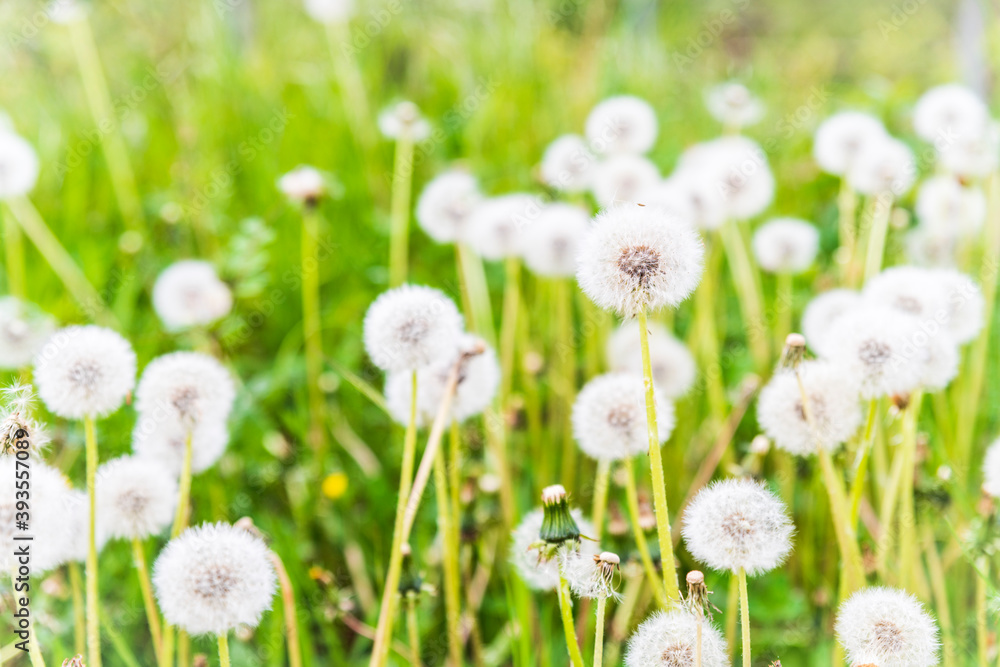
[(18, 165), (670, 639), (304, 184), (592, 577), (760, 445), (558, 525), (537, 572), (189, 294), (887, 627), (410, 327), (695, 578)]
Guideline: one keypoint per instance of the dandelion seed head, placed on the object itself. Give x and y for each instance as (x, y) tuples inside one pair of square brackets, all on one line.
[(939, 357), (84, 371), (786, 245), (64, 12), (887, 627), (404, 119), (496, 227), (883, 166), (673, 365), (991, 470), (964, 303), (908, 289), (929, 247), (186, 389), (135, 498), (738, 523), (446, 205), (17, 423), (944, 204), (669, 639), (304, 184), (948, 111), (411, 326), (164, 442), (672, 195), (567, 164), (623, 179), (841, 138), (189, 294), (822, 312), (330, 11), (18, 165), (23, 330), (873, 344), (48, 521), (638, 258), (738, 173), (540, 574), (609, 417), (213, 578), (594, 577), (972, 156), (622, 124), (701, 199), (733, 105), (552, 242)]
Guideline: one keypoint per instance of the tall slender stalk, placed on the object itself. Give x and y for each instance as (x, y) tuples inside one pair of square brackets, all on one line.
[(747, 284), (569, 629), (982, 632), (508, 325), (288, 608), (14, 256), (784, 307), (79, 616), (152, 615), (600, 506), (847, 202), (602, 603), (861, 460), (707, 340), (877, 233), (908, 555), (476, 294), (744, 615), (452, 603), (184, 491), (352, 89), (399, 231), (565, 355), (413, 630), (632, 500), (312, 327), (224, 651), (656, 470), (93, 621)]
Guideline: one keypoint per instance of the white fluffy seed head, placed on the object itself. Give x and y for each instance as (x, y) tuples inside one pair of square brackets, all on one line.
[(404, 119), (733, 105), (623, 179), (567, 164), (738, 171), (64, 12), (164, 443), (738, 523), (542, 575), (673, 366), (971, 156), (84, 371), (609, 417), (991, 470), (670, 639), (189, 294), (135, 498), (552, 242), (908, 289), (964, 303), (49, 523), (950, 111), (931, 247), (446, 204), (76, 506), (887, 627), (330, 11), (786, 245), (496, 227), (622, 124), (883, 166), (944, 204), (591, 577), (185, 389), (478, 380), (671, 194), (841, 138), (18, 165), (213, 578), (411, 326), (303, 184), (23, 330), (701, 197), (639, 258), (832, 396)]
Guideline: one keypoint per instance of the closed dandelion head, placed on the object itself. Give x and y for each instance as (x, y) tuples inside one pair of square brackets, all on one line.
[(304, 185), (786, 245), (733, 105), (887, 627), (609, 417), (965, 304), (411, 326), (567, 164), (594, 577), (446, 205), (622, 124), (330, 11), (874, 344), (670, 639), (841, 138), (883, 166), (738, 523), (637, 258), (945, 204), (623, 179), (673, 365), (164, 442), (552, 241), (537, 572), (135, 498), (991, 470), (84, 371), (23, 330), (833, 405), (213, 578), (18, 165), (496, 227), (947, 112), (739, 172), (49, 523), (404, 119), (822, 312), (558, 525), (190, 294), (186, 389)]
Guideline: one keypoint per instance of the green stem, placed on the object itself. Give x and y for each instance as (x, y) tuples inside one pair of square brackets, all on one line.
[(413, 630), (569, 629), (732, 600), (861, 461), (399, 234), (152, 615), (784, 307), (352, 90), (982, 633), (744, 615), (311, 327), (656, 471), (93, 621), (881, 213), (600, 506), (939, 587), (473, 281), (565, 382), (707, 340), (632, 500), (747, 284), (184, 491), (454, 482), (452, 604), (908, 555), (34, 650), (14, 255), (224, 650), (508, 325), (847, 202), (599, 632), (288, 608), (79, 616)]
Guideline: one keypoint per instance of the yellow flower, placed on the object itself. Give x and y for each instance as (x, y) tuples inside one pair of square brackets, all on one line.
[(335, 485)]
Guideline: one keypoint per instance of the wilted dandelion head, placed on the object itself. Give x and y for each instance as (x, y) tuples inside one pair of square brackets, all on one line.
[(446, 205), (945, 204), (595, 577), (135, 498), (23, 329), (622, 124), (950, 111), (164, 442), (186, 389), (786, 245), (538, 573), (213, 578), (18, 165), (832, 396), (304, 184), (189, 294), (822, 312), (552, 241), (670, 639), (991, 470), (673, 366), (737, 171), (404, 119), (873, 343), (738, 523), (84, 371), (883, 166), (609, 417), (887, 627), (623, 179), (841, 138), (496, 227), (411, 326), (733, 105), (330, 11), (17, 426), (638, 258), (567, 164), (964, 303), (478, 379)]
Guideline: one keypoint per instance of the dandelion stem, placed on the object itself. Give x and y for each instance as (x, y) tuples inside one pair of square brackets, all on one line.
[(476, 295), (34, 650), (861, 460), (784, 307), (312, 327), (847, 202), (508, 326), (708, 336), (656, 470), (452, 604), (566, 611), (600, 506), (982, 633), (632, 499), (747, 284), (352, 89), (413, 630), (907, 516), (14, 256), (79, 616), (455, 481), (288, 608), (184, 491), (602, 602), (939, 587), (152, 615), (224, 650), (399, 233), (565, 355), (744, 615), (93, 621), (877, 233)]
